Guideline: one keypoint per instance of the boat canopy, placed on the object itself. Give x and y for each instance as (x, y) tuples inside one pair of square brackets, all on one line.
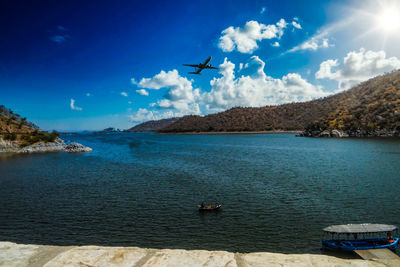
[(360, 228)]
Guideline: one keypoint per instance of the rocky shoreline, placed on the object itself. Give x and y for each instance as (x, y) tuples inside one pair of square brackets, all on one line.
[(57, 146), (335, 133), (229, 132), (12, 255)]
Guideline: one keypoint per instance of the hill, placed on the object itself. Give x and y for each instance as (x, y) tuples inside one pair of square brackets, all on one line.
[(17, 135), (17, 131), (152, 126), (13, 123), (107, 131), (370, 109), (294, 116)]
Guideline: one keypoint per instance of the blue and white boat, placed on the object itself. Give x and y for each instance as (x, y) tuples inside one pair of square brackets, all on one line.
[(352, 237)]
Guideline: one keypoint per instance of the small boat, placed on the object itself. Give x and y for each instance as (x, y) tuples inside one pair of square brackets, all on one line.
[(352, 237), (209, 207)]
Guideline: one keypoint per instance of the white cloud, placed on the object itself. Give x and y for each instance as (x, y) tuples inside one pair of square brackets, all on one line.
[(142, 92), (73, 107), (263, 9), (243, 66), (325, 69), (61, 28), (146, 115), (325, 43), (282, 24), (321, 39), (276, 44), (180, 96), (124, 94), (142, 115), (59, 35), (313, 44), (245, 39), (58, 38), (357, 67), (258, 89), (296, 24)]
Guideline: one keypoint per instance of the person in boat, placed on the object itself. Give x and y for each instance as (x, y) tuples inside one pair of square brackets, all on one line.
[(389, 238), (202, 205)]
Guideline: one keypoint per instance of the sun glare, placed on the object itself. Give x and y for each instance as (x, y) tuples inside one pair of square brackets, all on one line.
[(389, 19)]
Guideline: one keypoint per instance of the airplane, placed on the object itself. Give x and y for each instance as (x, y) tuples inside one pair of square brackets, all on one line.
[(201, 66)]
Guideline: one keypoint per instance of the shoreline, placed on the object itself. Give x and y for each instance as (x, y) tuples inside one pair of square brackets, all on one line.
[(228, 133), (13, 254), (57, 145)]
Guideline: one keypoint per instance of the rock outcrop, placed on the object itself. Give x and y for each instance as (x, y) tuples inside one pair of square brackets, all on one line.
[(339, 133), (12, 254), (8, 146), (57, 146), (76, 148)]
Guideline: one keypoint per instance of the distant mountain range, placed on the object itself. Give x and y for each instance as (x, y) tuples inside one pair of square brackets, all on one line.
[(107, 130), (371, 108), (152, 126)]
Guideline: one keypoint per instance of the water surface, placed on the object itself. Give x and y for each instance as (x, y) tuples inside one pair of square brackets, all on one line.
[(141, 189)]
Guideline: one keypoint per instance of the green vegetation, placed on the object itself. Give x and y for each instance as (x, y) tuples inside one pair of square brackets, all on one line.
[(10, 137), (37, 136)]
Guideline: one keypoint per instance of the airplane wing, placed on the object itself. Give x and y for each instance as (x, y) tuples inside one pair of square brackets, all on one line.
[(196, 72), (196, 66)]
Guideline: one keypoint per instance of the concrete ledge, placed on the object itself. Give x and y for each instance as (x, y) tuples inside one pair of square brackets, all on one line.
[(12, 255)]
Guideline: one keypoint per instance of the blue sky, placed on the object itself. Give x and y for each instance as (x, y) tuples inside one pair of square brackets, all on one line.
[(88, 65)]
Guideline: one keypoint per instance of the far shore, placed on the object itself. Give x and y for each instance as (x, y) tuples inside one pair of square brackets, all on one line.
[(232, 132)]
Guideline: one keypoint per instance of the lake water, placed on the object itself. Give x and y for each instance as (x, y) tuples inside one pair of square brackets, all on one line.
[(141, 189)]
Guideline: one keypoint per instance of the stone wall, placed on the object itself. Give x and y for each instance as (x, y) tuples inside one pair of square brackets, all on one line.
[(13, 255)]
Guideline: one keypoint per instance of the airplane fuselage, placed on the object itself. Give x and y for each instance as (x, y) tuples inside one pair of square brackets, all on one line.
[(201, 66)]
